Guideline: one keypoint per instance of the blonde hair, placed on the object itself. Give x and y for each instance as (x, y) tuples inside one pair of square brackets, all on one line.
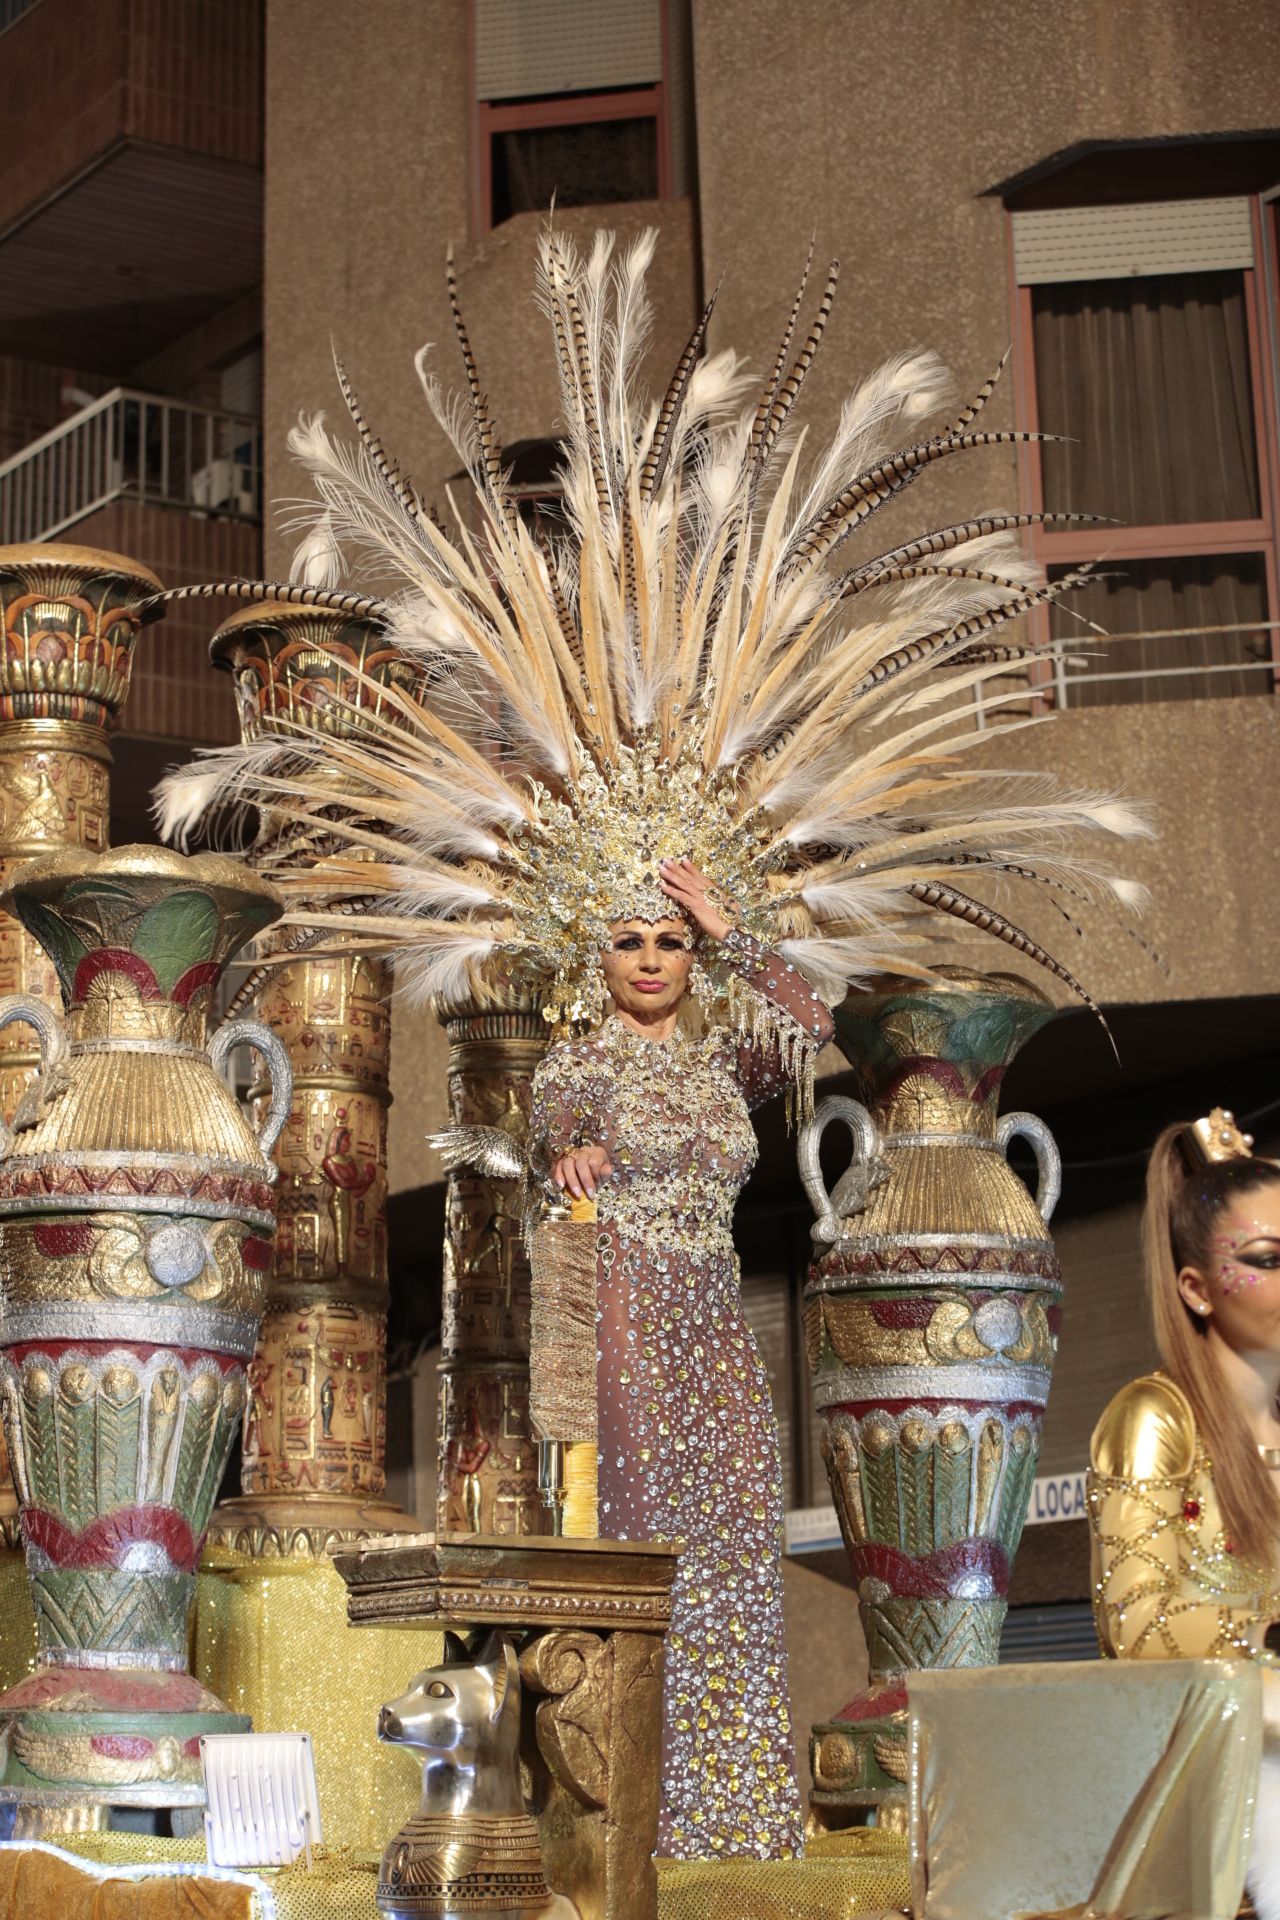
[(1182, 1205)]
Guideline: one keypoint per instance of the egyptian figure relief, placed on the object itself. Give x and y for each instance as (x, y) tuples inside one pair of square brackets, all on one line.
[(318, 1412), (332, 1016), (317, 1417), (488, 1459), (50, 797)]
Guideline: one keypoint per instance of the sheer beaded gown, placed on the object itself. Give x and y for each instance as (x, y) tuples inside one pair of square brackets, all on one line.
[(687, 1437)]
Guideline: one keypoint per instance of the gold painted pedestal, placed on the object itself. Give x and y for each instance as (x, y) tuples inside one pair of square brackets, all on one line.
[(70, 620), (591, 1616)]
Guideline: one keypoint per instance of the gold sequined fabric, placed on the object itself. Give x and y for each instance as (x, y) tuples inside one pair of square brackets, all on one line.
[(1167, 1583), (687, 1441), (863, 1872), (272, 1641), (17, 1619), (340, 1884)]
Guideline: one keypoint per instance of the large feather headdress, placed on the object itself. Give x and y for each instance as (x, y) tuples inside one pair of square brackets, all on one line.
[(688, 662)]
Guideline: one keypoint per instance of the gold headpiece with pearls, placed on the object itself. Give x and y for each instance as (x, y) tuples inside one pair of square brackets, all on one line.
[(1217, 1138)]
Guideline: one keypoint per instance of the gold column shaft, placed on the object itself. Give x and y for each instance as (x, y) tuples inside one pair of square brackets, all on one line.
[(314, 1462), (488, 1481), (317, 1424)]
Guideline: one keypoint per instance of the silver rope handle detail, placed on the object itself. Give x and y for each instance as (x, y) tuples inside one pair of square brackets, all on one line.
[(252, 1033), (1029, 1127), (51, 1074), (849, 1195)]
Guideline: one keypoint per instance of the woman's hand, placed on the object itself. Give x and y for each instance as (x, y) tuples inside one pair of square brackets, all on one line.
[(582, 1171), (694, 894)]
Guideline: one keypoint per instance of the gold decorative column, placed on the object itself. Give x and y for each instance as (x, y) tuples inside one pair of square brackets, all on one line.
[(270, 1633), (70, 618), (313, 1466), (488, 1458)]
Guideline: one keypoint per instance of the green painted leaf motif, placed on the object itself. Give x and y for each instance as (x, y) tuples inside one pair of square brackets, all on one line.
[(245, 922), (63, 946), (176, 933), (984, 1036), (92, 887)]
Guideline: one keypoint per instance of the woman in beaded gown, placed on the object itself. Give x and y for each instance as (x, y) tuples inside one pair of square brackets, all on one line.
[(1184, 1487), (655, 1124)]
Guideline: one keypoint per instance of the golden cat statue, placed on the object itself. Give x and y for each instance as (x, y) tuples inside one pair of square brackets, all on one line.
[(472, 1847)]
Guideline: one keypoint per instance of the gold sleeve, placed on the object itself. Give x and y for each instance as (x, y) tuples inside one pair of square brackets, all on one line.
[(1148, 1432), (1142, 1458)]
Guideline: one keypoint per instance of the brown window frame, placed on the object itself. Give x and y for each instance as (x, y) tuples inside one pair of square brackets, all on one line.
[(562, 110), (1187, 539)]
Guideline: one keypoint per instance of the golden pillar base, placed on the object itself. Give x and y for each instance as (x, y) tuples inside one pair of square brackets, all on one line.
[(271, 1636), (590, 1617)]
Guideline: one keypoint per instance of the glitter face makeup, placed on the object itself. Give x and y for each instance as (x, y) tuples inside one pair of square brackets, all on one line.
[(1245, 1258)]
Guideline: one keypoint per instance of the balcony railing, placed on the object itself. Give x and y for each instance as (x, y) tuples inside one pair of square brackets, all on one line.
[(1064, 671), (133, 446)]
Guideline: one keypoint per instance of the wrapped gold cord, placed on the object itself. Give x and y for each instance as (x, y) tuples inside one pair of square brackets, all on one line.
[(562, 1362)]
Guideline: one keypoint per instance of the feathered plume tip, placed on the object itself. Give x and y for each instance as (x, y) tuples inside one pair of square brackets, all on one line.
[(702, 661)]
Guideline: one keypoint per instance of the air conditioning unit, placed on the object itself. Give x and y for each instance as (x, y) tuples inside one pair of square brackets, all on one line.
[(224, 486)]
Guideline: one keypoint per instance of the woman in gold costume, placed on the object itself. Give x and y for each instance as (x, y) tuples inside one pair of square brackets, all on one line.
[(1184, 1491), (655, 1122)]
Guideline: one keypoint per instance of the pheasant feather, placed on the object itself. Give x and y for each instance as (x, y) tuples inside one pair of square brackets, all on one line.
[(668, 666)]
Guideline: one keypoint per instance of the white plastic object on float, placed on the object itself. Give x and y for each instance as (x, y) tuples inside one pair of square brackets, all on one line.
[(262, 1810)]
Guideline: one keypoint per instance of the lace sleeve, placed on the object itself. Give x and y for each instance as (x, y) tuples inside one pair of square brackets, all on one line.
[(558, 1113), (787, 1024)]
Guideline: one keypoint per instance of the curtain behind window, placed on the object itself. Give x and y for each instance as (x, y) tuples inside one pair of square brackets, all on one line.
[(1150, 379), (594, 164), (1143, 596)]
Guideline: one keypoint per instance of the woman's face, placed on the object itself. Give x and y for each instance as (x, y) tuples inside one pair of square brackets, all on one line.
[(1240, 1281), (647, 967)]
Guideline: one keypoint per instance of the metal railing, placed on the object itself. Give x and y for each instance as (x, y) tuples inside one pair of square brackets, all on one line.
[(1067, 671), (135, 446)]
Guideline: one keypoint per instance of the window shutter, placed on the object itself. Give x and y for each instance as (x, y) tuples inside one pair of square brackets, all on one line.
[(1113, 243), (530, 47)]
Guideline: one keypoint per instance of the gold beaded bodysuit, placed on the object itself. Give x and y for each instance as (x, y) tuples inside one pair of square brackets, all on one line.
[(1166, 1582), (688, 1442)]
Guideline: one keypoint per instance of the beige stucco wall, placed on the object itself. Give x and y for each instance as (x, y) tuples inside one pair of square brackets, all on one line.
[(878, 129)]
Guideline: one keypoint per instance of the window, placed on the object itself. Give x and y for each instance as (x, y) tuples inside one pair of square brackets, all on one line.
[(588, 151), (586, 100), (1142, 337)]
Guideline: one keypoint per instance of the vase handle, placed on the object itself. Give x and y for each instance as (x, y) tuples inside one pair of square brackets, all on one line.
[(252, 1033), (850, 1193), (51, 1074), (1048, 1159)]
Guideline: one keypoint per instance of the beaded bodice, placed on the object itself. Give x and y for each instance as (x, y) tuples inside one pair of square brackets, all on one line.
[(1166, 1581)]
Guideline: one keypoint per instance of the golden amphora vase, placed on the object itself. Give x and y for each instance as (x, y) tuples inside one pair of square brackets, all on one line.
[(931, 1320), (136, 1211)]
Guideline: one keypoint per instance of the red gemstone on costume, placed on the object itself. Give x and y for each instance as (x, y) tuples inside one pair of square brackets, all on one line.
[(1191, 1509)]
